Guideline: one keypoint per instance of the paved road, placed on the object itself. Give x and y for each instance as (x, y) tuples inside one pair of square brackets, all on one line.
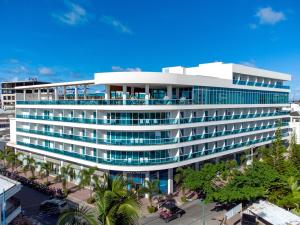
[(193, 216), (31, 199), (30, 202)]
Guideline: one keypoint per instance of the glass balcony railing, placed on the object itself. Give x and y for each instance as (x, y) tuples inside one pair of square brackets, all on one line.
[(259, 84), (148, 161), (143, 141), (111, 102), (149, 122)]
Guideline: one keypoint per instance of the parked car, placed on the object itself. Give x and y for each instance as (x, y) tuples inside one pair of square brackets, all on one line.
[(54, 206), (170, 211)]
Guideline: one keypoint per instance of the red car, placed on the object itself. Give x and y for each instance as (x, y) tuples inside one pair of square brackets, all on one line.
[(170, 211)]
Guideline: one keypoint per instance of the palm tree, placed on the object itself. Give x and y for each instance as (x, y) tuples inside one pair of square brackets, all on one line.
[(116, 205), (45, 170), (31, 166), (78, 216), (66, 172), (13, 160), (86, 178), (4, 154), (151, 188)]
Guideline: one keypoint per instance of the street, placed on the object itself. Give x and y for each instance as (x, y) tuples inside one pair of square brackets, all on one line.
[(193, 216), (30, 202), (31, 199)]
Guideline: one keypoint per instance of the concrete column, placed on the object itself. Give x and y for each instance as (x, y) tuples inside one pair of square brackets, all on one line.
[(107, 92), (147, 178), (177, 93), (170, 181), (147, 94), (65, 92), (24, 94), (61, 165), (197, 166), (76, 93), (48, 97), (124, 93), (169, 91), (56, 93), (39, 94), (84, 92)]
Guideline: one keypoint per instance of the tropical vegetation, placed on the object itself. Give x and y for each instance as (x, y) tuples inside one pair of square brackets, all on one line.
[(115, 205), (274, 175)]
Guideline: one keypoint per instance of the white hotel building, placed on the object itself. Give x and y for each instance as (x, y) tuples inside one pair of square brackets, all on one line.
[(146, 124)]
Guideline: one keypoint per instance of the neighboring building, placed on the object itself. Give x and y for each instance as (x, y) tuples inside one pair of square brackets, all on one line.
[(8, 92), (295, 121), (10, 206), (149, 123), (268, 213), (4, 126)]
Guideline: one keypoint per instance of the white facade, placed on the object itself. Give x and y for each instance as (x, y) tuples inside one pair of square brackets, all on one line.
[(295, 121), (146, 124)]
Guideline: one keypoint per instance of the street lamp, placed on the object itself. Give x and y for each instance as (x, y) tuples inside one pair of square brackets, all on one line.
[(202, 204)]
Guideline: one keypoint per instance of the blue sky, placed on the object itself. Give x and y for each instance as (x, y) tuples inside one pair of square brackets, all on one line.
[(70, 40)]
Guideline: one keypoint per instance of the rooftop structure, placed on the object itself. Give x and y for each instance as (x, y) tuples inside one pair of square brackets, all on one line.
[(268, 213), (8, 92), (8, 188), (144, 125)]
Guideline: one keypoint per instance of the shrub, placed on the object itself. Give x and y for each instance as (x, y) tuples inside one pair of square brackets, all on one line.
[(183, 199), (151, 209)]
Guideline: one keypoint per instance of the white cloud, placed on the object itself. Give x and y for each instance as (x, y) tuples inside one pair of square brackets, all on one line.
[(268, 16), (45, 71), (75, 15), (121, 69), (119, 26)]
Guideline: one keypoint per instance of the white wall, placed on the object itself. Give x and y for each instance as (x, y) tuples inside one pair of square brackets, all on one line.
[(13, 130)]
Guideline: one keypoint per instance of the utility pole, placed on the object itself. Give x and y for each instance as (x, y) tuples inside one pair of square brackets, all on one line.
[(202, 204)]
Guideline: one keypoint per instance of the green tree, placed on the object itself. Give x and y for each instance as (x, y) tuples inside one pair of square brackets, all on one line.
[(294, 152), (274, 155), (179, 178), (250, 185), (66, 173), (86, 178), (292, 199), (210, 178), (115, 205)]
